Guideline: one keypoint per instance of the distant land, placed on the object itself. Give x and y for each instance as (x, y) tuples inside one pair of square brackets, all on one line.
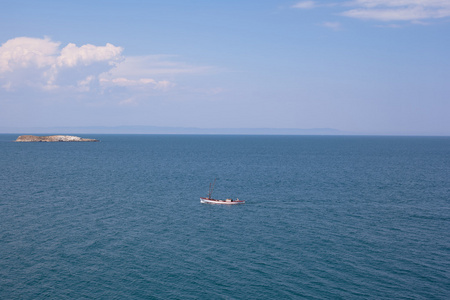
[(52, 138), (170, 130)]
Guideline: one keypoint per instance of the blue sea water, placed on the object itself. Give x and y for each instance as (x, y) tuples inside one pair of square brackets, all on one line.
[(327, 217)]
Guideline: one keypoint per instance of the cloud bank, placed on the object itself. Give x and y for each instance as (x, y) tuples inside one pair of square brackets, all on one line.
[(387, 10), (41, 63), (399, 10), (44, 65)]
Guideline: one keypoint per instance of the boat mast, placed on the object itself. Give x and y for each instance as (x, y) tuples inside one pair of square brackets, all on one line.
[(211, 188)]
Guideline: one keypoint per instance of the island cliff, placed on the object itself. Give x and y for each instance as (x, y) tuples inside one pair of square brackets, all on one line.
[(53, 138)]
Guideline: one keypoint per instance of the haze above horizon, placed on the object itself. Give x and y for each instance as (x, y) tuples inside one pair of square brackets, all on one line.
[(361, 66)]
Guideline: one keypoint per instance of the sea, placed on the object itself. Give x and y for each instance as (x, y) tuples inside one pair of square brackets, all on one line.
[(326, 217)]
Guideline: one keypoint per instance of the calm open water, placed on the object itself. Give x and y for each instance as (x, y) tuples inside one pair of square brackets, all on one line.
[(325, 218)]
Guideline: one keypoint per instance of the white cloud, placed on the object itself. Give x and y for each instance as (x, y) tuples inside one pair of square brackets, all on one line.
[(85, 84), (42, 64), (163, 85), (415, 11), (154, 65), (396, 3), (332, 25), (71, 55), (305, 5), (39, 63), (25, 52), (128, 82), (128, 102), (138, 83), (398, 10)]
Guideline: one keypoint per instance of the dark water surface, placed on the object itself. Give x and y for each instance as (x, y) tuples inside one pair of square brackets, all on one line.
[(325, 218)]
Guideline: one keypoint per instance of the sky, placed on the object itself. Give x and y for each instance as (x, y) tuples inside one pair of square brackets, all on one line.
[(359, 66)]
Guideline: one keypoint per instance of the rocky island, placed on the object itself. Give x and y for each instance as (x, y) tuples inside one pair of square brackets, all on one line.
[(53, 138)]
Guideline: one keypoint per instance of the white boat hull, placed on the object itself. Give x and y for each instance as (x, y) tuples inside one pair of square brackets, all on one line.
[(226, 202)]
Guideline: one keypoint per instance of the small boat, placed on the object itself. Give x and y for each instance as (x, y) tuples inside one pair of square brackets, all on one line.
[(210, 200), (217, 201)]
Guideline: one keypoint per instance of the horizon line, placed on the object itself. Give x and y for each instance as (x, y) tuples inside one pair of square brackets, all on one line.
[(150, 129)]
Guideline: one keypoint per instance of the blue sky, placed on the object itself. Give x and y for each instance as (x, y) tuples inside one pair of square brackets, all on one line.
[(363, 66)]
